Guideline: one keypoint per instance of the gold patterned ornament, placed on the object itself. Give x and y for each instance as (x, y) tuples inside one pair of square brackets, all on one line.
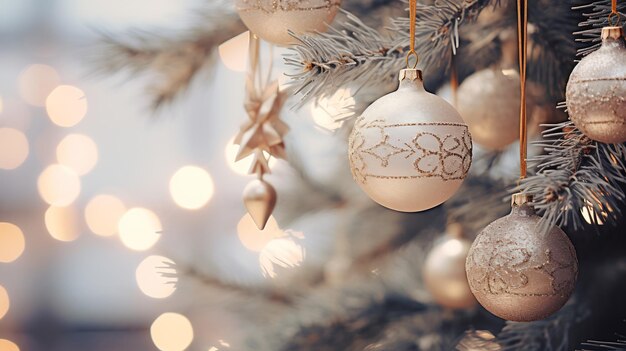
[(444, 270), (410, 150), (596, 90), (519, 273), (273, 19)]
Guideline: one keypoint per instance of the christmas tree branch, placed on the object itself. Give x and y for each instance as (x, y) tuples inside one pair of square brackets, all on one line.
[(172, 61), (594, 21)]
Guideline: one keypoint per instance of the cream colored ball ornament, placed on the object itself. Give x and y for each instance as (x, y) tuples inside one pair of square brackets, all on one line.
[(489, 102), (272, 20), (596, 90), (520, 273), (410, 150), (444, 270)]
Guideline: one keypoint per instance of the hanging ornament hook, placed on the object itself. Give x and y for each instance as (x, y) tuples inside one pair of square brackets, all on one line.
[(413, 20), (614, 17)]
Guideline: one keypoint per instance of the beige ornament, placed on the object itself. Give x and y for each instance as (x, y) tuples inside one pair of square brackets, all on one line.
[(259, 197), (273, 19), (518, 273), (489, 101), (444, 271), (596, 90), (410, 150)]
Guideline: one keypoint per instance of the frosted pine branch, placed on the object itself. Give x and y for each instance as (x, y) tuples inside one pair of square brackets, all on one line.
[(596, 14)]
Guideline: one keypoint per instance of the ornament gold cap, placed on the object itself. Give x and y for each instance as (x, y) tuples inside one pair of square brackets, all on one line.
[(455, 230), (410, 74), (613, 32), (520, 199)]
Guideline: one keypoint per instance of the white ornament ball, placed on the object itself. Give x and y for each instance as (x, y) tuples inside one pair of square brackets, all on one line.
[(410, 150), (272, 20), (489, 101), (444, 271), (596, 90)]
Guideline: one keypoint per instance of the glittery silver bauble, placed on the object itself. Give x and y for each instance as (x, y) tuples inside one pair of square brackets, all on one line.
[(272, 20), (519, 273), (596, 90), (489, 101), (410, 150), (444, 271)]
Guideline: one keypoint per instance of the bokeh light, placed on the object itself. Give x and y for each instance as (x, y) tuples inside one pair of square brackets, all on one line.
[(8, 345), (58, 185), (66, 105), (63, 223), (591, 216), (252, 237), (4, 304), (234, 52), (78, 152), (156, 277), (11, 242), (171, 332), (330, 111), (284, 252), (103, 213), (36, 82), (243, 166), (139, 229), (13, 148), (191, 187)]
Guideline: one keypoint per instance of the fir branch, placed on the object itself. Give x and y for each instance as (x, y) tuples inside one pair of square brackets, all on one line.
[(594, 21), (172, 61), (576, 175), (355, 52)]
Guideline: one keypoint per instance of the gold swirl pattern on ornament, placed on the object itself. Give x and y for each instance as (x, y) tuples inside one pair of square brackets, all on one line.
[(509, 267), (432, 154), (286, 5)]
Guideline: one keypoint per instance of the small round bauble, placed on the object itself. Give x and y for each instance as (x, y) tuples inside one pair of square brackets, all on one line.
[(444, 271), (410, 150), (489, 101), (272, 20), (596, 90), (518, 272)]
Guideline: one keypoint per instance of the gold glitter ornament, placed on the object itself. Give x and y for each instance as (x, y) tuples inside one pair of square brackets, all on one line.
[(444, 270), (596, 90), (273, 19), (410, 150), (519, 273)]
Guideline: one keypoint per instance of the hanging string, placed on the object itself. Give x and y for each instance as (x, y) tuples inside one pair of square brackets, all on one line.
[(522, 44), (413, 20), (614, 15), (454, 80)]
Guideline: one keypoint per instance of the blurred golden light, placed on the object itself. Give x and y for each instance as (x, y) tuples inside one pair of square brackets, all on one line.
[(329, 111), (11, 242), (254, 239), (62, 223), (13, 148), (591, 216), (242, 166), (139, 229), (282, 252), (102, 214), (4, 303), (171, 332), (36, 82), (58, 185), (191, 187), (234, 52), (66, 105), (7, 345), (452, 247), (78, 152), (156, 277)]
